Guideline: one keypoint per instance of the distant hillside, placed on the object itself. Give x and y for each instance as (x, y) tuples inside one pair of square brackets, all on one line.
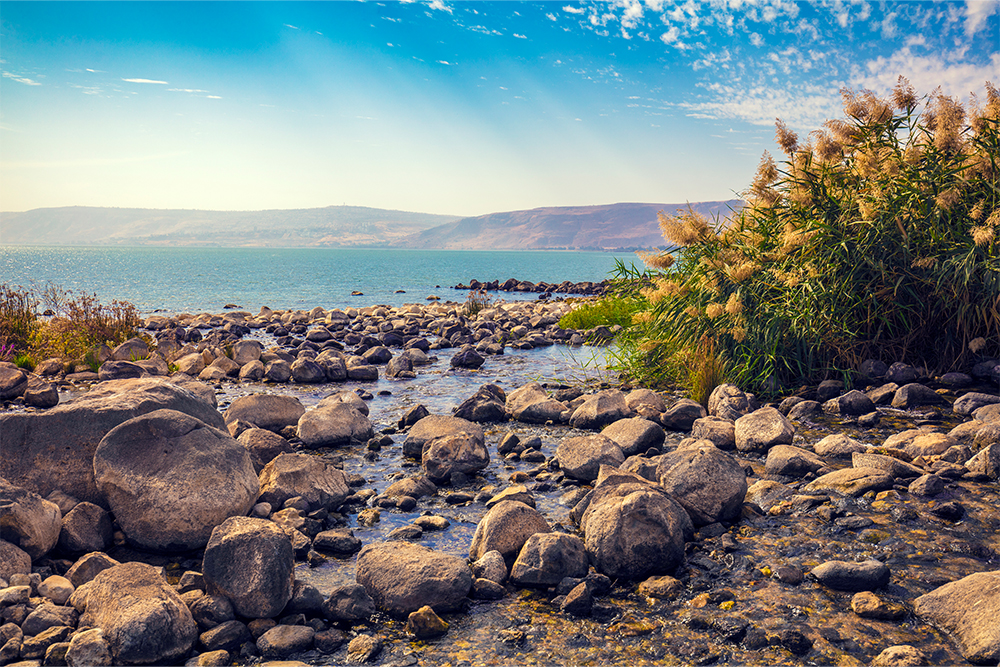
[(609, 226), (333, 226)]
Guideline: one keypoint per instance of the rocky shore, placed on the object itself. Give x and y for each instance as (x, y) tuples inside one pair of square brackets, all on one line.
[(514, 285), (226, 491)]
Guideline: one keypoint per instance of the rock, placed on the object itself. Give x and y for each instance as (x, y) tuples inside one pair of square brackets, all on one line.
[(246, 351), (828, 389), (333, 425), (300, 475), (226, 636), (270, 411), (728, 401), (51, 644), (803, 409), (599, 409), (853, 402), (581, 457), (838, 445), (47, 616), (547, 558), (339, 541), (926, 485), (986, 462), (348, 604), (634, 529), (400, 367), (765, 493), (914, 394), (13, 560), (868, 605), (425, 624), (252, 371), (211, 611), (639, 400), (41, 395), (849, 576), (464, 453), (88, 567), (662, 587), (279, 371), (56, 588), (720, 431), (484, 589), (86, 528), (682, 473), (902, 655), (306, 599), (530, 404), (328, 641), (967, 610), (505, 528), (170, 479), (282, 641), (13, 382), (402, 577), (518, 492), (491, 566), (417, 486), (852, 481), (682, 415), (901, 373), (250, 562), (579, 601), (307, 371), (433, 426), (890, 465), (363, 648), (191, 364), (88, 648), (972, 401), (872, 369), (763, 429), (792, 461), (486, 405), (45, 451), (467, 357), (635, 435), (28, 521), (133, 349), (988, 414), (143, 619), (263, 446)]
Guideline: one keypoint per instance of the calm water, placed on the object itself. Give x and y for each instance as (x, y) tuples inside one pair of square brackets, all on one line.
[(206, 279)]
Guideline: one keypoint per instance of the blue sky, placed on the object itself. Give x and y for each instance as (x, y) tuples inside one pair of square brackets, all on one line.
[(444, 107)]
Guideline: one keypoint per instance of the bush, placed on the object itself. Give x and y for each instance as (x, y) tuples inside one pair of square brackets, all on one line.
[(476, 301), (876, 239)]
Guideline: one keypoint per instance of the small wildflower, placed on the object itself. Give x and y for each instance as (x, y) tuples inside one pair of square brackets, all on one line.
[(977, 345), (983, 235)]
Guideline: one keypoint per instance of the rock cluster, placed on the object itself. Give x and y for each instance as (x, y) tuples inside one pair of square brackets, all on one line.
[(514, 285)]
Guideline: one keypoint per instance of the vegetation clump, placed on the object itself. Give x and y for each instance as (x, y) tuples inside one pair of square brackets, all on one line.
[(878, 237), (72, 328)]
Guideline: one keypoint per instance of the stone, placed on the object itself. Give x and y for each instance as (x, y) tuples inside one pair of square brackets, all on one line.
[(13, 560), (400, 367), (425, 624), (28, 521), (334, 425), (41, 395), (531, 404), (56, 588), (579, 601), (792, 461), (434, 426), (13, 382), (250, 562), (263, 446), (850, 576), (890, 465), (416, 486), (467, 357), (728, 401), (348, 604), (43, 643), (913, 394), (226, 636), (635, 435), (803, 409), (765, 493), (143, 619), (88, 648), (252, 371), (972, 401), (171, 479), (828, 389), (763, 429), (901, 373), (604, 407), (307, 371), (682, 473), (486, 405), (54, 449), (663, 587), (270, 411), (86, 528), (721, 432), (300, 475), (210, 611), (446, 455), (901, 655), (363, 648), (282, 641), (402, 577), (853, 403), (279, 371), (852, 481), (967, 609), (581, 457), (926, 485), (490, 566), (306, 599), (505, 528), (868, 605), (838, 445), (47, 616), (88, 567), (682, 415), (246, 351), (547, 558), (639, 398)]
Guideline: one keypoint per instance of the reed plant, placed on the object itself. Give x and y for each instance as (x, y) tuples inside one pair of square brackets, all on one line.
[(878, 237)]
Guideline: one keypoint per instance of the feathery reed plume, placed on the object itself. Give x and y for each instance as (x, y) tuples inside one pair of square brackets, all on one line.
[(788, 140), (903, 95), (948, 117)]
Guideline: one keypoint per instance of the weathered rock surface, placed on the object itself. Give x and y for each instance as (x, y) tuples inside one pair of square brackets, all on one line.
[(763, 429), (464, 453), (402, 577), (706, 481), (505, 528), (529, 403), (792, 461), (333, 425), (27, 520), (851, 576), (547, 558), (682, 415), (602, 408), (728, 401), (967, 609), (434, 426), (263, 446), (581, 457), (635, 435), (86, 528), (852, 481), (271, 411), (305, 476)]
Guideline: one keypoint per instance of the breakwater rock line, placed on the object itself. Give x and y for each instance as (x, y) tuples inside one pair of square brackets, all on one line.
[(514, 285), (575, 522)]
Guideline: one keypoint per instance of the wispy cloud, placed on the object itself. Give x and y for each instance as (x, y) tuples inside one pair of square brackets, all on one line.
[(439, 6), (520, 36), (570, 9), (186, 90), (293, 27), (949, 70), (163, 83), (444, 62), (20, 79), (977, 12)]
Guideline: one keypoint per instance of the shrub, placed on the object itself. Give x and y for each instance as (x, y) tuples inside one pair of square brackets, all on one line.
[(476, 301), (879, 238)]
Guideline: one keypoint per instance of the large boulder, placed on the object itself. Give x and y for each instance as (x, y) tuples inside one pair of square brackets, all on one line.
[(967, 609), (852, 481), (333, 425), (720, 431), (263, 446), (635, 435), (547, 558), (309, 477), (582, 457), (434, 426), (27, 520), (170, 479), (762, 429), (601, 408), (13, 381), (271, 411), (505, 528), (402, 577), (85, 528), (792, 461), (54, 449), (446, 455), (706, 481), (972, 401), (682, 415), (529, 403), (728, 401), (143, 619), (486, 405), (913, 394), (250, 562), (633, 528), (13, 560)]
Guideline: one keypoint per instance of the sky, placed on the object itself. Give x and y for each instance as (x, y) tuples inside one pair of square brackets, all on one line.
[(444, 106)]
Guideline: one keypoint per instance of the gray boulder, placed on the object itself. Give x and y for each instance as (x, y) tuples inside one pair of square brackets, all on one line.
[(307, 371), (635, 435), (85, 528), (850, 576), (41, 394), (645, 402), (720, 431), (706, 481), (467, 357), (333, 425), (250, 562), (45, 451), (27, 520), (246, 351), (434, 426), (972, 401), (682, 415), (446, 455), (852, 481), (143, 619), (967, 609), (914, 394), (402, 577), (13, 381), (13, 560), (762, 429), (505, 528), (252, 371), (547, 558), (792, 461), (88, 567), (728, 401), (581, 457), (530, 404), (838, 445), (279, 371), (853, 402), (348, 604), (282, 641), (301, 475), (170, 479), (599, 409), (486, 405), (263, 446), (119, 370), (271, 411)]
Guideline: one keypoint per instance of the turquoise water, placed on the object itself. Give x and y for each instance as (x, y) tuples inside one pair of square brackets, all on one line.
[(206, 279)]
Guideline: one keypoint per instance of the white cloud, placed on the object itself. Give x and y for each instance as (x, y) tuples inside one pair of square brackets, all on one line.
[(164, 83), (213, 97), (803, 107), (955, 74), (670, 36), (573, 10), (186, 90), (289, 25), (440, 6), (977, 12), (550, 16), (756, 39), (632, 14), (520, 36), (444, 62), (20, 79)]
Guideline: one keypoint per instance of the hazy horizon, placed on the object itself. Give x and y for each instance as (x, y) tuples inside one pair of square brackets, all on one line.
[(453, 108)]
